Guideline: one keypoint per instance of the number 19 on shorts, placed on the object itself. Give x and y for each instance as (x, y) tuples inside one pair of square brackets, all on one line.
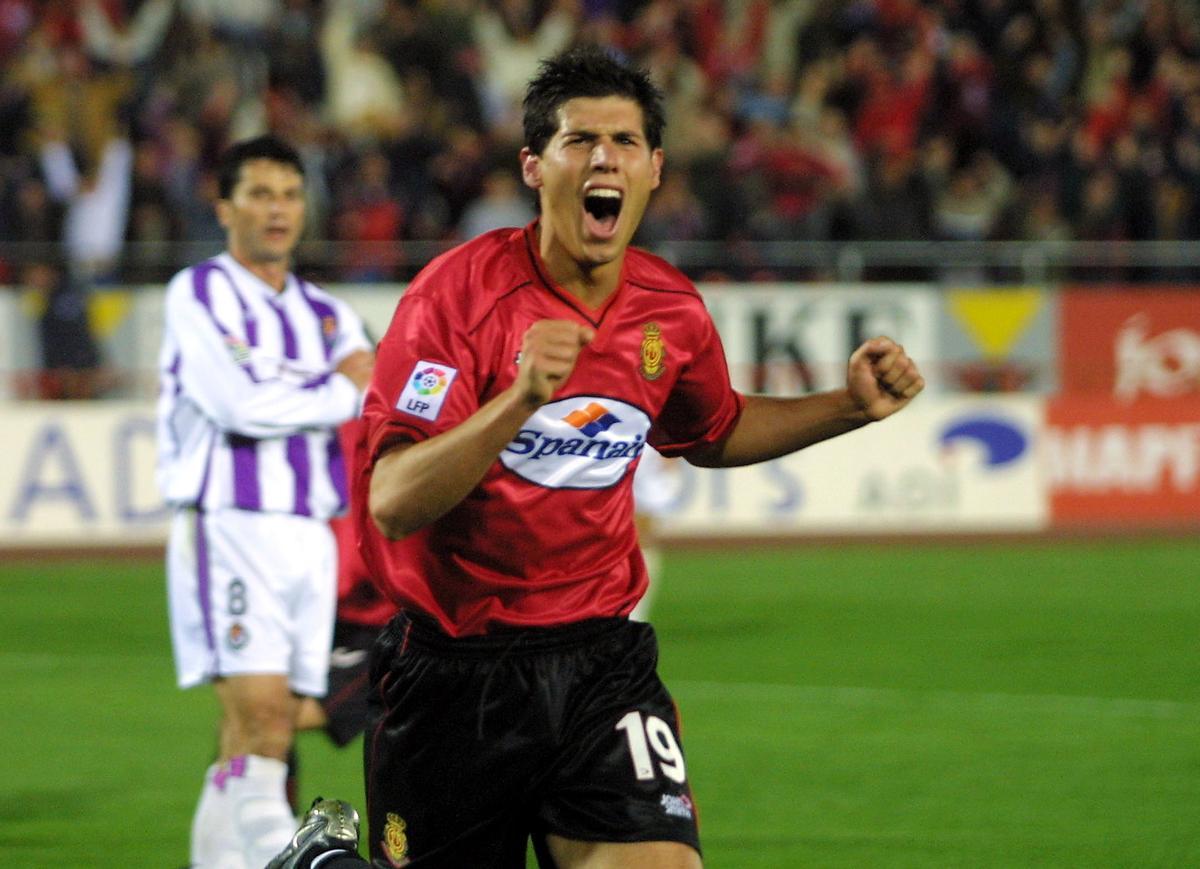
[(649, 734)]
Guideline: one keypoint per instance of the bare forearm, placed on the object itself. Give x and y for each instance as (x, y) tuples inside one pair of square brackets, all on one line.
[(770, 427), (414, 484)]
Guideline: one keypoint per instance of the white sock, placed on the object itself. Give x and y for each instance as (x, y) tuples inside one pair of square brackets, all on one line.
[(262, 818), (215, 844), (652, 555)]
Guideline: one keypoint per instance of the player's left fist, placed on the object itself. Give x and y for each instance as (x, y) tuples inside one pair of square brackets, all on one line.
[(881, 378)]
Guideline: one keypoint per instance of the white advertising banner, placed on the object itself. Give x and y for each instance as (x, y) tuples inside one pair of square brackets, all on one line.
[(789, 339), (79, 474), (82, 474), (18, 349), (941, 466), (782, 339)]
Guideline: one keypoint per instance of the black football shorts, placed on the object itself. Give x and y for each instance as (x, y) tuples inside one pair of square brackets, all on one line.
[(474, 745), (345, 701)]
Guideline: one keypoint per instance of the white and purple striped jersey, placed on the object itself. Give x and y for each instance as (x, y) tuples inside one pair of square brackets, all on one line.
[(249, 399)]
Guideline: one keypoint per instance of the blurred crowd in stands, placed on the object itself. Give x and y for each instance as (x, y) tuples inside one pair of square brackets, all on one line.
[(788, 119)]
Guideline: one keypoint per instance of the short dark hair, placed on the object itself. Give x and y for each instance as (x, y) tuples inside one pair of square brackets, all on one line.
[(229, 169), (587, 71)]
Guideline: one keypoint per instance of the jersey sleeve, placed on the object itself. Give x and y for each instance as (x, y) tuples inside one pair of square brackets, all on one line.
[(703, 406), (241, 389), (425, 376), (352, 334)]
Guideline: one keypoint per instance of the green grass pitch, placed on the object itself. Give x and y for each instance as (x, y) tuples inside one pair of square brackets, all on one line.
[(853, 705)]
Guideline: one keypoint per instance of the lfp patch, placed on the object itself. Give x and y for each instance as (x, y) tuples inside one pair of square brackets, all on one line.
[(426, 389)]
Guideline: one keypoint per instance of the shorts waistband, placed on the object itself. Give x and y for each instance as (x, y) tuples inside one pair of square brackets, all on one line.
[(422, 632)]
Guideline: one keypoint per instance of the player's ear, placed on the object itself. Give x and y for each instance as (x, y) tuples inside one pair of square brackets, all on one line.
[(656, 164), (531, 169), (224, 213)]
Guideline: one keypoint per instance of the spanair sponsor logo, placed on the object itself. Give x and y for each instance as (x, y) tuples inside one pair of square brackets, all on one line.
[(426, 389), (999, 440), (585, 442)]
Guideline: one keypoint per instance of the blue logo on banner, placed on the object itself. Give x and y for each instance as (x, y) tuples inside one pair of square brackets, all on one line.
[(1002, 441)]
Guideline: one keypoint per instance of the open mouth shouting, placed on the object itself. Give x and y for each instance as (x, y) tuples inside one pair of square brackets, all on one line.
[(601, 210)]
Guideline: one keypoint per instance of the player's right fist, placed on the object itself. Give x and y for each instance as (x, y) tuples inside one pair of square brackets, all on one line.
[(548, 353)]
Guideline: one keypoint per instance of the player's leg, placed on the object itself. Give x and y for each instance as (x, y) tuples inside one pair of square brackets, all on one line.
[(266, 593), (454, 746), (342, 712), (214, 841), (258, 715), (620, 795), (311, 714), (575, 854), (247, 795)]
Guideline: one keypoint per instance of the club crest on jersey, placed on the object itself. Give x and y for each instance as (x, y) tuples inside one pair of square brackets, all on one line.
[(395, 840), (238, 636), (329, 329), (585, 442), (426, 389), (654, 352)]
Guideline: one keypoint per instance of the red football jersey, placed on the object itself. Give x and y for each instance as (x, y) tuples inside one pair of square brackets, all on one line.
[(548, 536)]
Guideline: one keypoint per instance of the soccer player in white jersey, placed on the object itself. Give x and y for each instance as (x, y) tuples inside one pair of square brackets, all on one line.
[(257, 369)]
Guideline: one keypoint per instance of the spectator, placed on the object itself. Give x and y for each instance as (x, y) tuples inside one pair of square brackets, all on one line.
[(365, 97), (511, 38), (969, 206), (296, 64), (69, 357), (503, 203), (131, 42), (1055, 91), (96, 200), (369, 220), (674, 214)]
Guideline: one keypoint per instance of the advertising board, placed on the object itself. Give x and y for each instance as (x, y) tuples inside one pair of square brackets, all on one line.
[(1119, 463), (1130, 342)]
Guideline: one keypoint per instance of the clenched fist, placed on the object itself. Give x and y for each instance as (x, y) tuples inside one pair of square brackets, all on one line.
[(881, 378), (548, 354)]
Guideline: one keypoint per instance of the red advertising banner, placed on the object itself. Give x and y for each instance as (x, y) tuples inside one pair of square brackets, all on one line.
[(1123, 463), (1130, 342)]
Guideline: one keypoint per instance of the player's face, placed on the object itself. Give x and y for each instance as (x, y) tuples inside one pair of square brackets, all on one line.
[(264, 215), (594, 178)]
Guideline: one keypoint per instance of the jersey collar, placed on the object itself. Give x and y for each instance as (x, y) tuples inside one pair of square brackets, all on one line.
[(594, 316)]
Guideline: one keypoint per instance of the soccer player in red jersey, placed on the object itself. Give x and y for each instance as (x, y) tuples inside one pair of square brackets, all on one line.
[(514, 393)]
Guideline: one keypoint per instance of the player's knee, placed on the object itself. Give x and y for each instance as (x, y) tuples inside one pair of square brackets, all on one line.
[(264, 729), (576, 854)]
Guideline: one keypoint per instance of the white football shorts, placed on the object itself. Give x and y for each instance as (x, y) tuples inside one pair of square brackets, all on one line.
[(251, 593)]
